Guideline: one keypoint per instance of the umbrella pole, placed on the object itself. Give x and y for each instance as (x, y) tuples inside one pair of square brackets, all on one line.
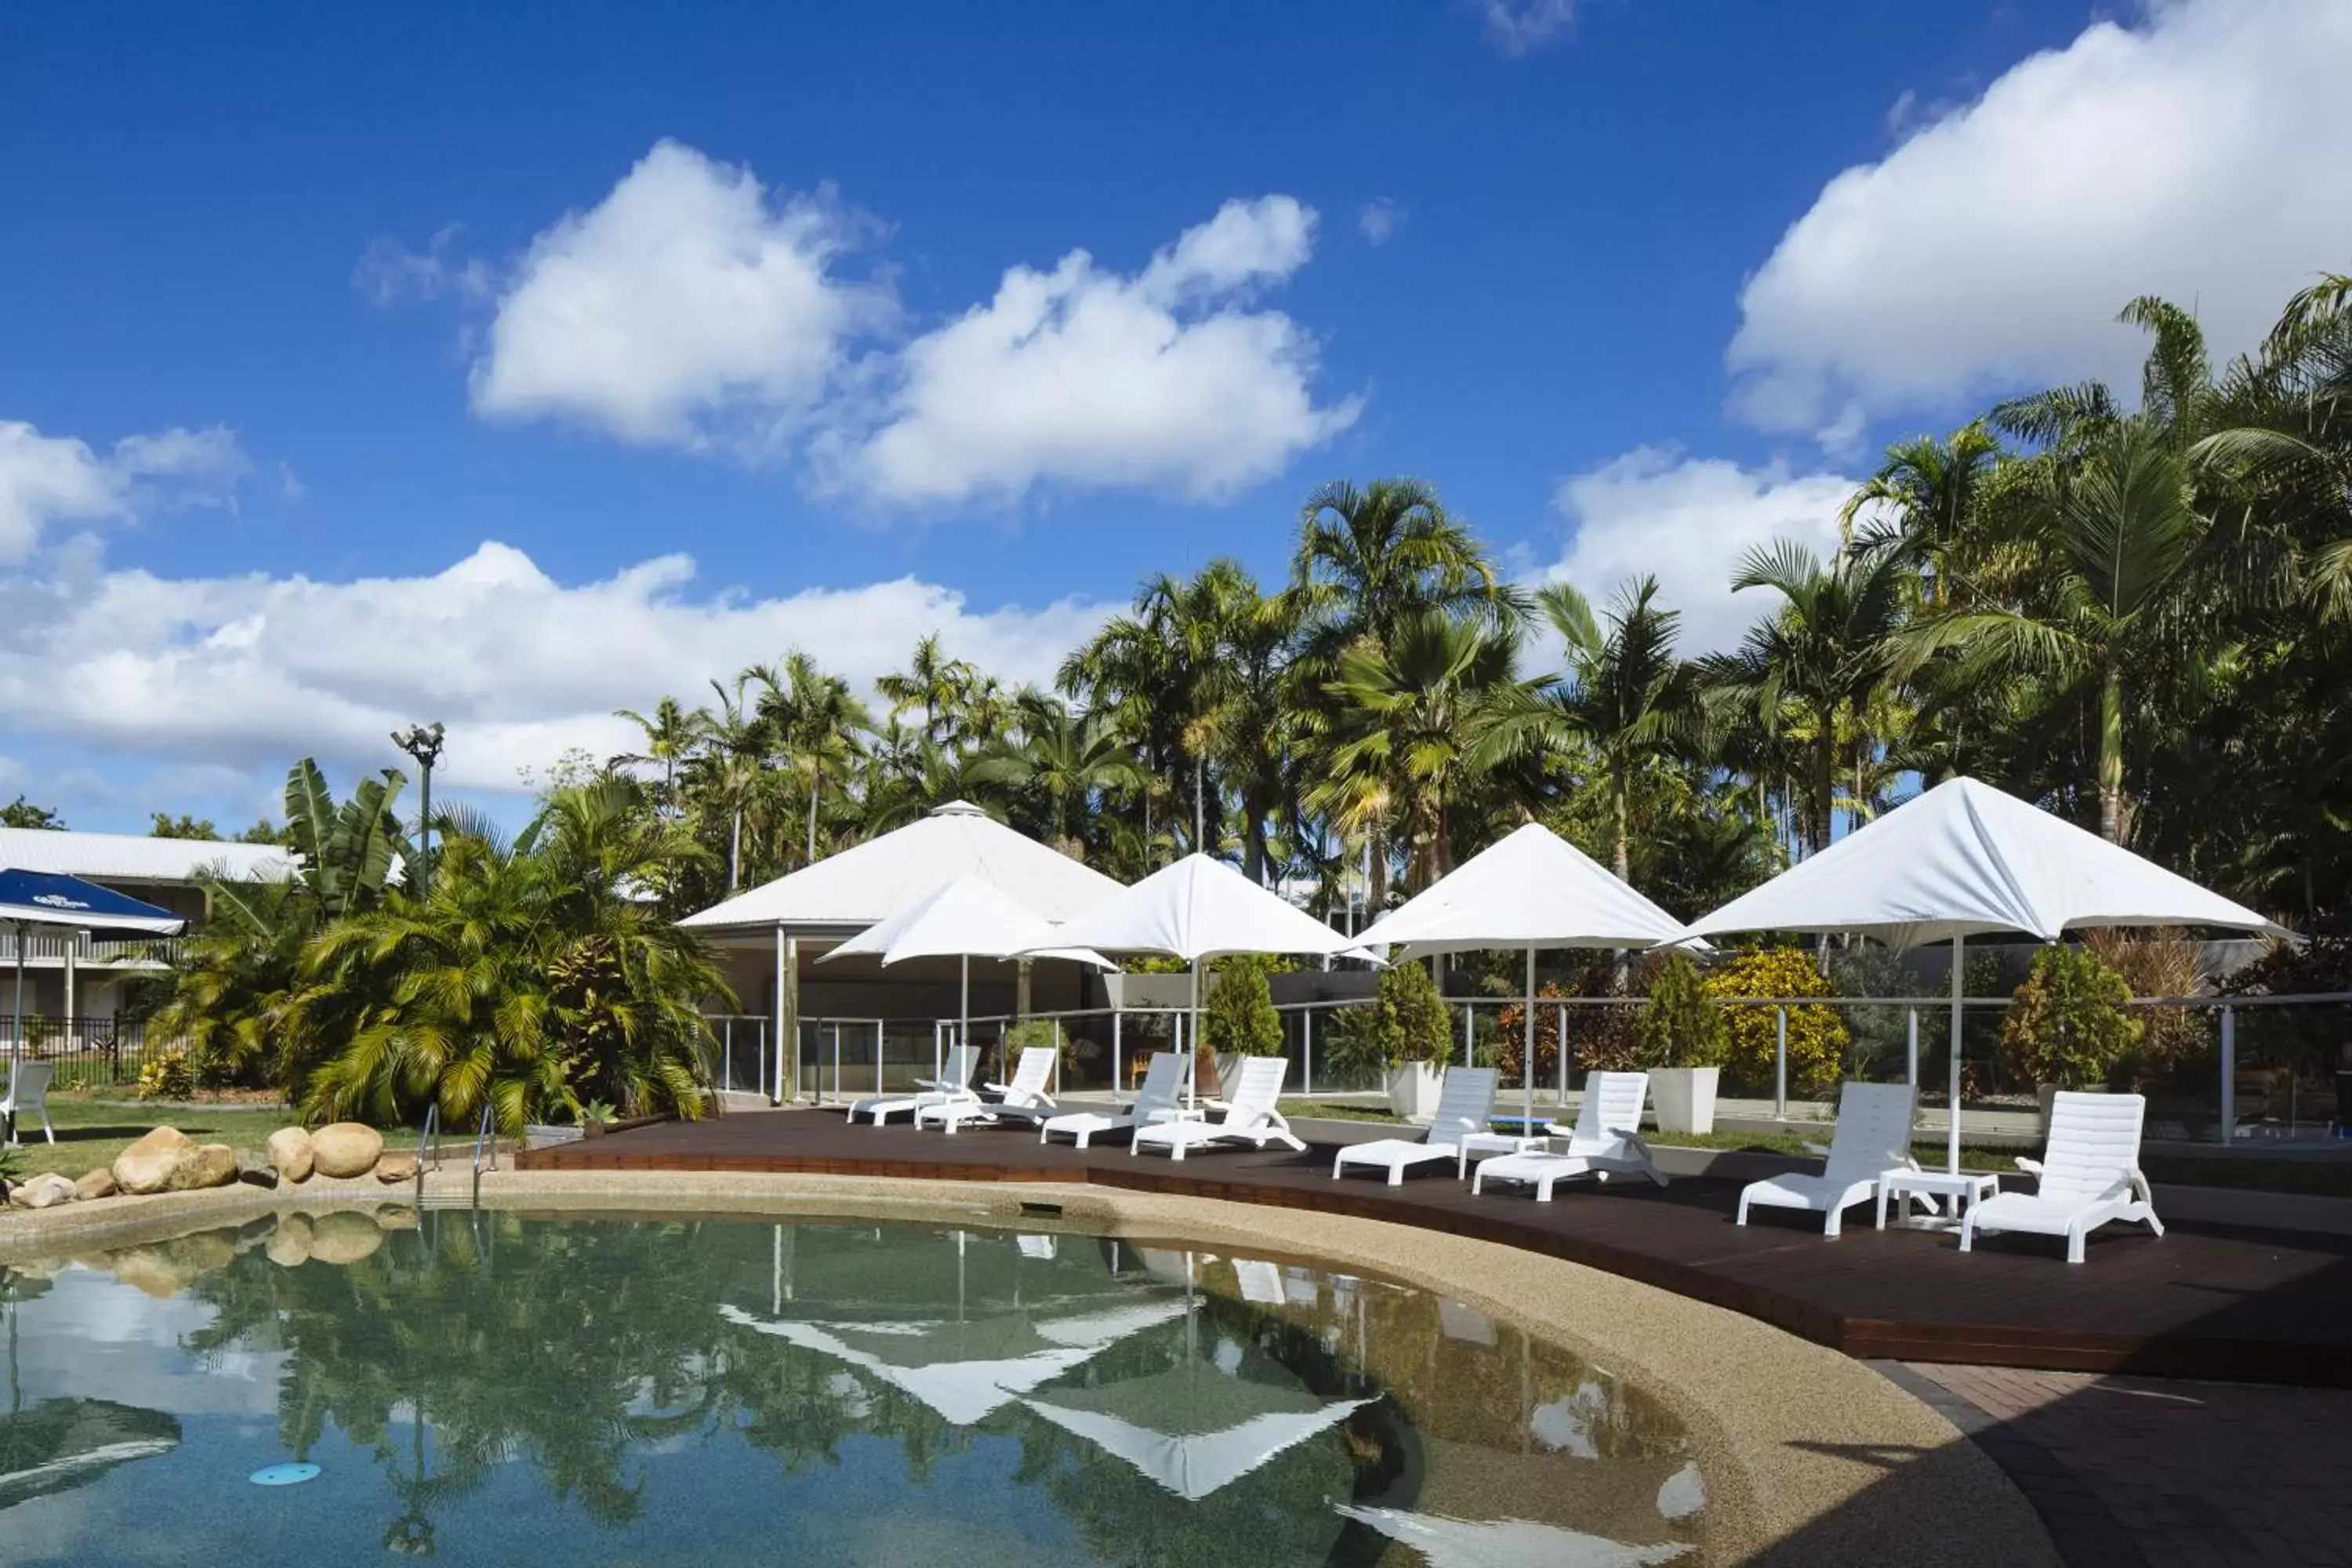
[(1527, 1055), (16, 1039), (1193, 1047), (1953, 1136), (963, 1009)]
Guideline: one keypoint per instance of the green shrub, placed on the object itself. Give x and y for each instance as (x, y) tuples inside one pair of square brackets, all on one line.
[(2070, 1025), (1031, 1032), (1682, 1026), (167, 1076), (1238, 1015), (11, 1167), (1818, 1038), (1405, 1022)]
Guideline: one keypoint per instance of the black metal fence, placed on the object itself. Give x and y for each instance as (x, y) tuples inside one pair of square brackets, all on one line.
[(87, 1052)]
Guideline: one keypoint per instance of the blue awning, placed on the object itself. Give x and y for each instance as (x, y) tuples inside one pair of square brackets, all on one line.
[(46, 898)]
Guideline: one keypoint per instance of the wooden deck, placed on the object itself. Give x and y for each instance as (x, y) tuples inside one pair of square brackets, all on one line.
[(2201, 1302)]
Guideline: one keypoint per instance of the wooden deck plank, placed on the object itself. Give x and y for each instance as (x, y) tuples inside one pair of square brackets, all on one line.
[(2199, 1302)]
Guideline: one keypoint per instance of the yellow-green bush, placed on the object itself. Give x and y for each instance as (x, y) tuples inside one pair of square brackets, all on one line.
[(1817, 1035)]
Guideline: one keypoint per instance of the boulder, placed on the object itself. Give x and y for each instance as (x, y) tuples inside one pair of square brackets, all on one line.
[(397, 1168), (147, 1165), (206, 1165), (44, 1191), (256, 1168), (289, 1151), (345, 1149), (395, 1218), (343, 1236), (98, 1184), (289, 1245)]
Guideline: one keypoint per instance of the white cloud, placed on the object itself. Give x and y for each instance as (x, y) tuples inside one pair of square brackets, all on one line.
[(1689, 522), (2194, 155), (1379, 219), (389, 271), (686, 308), (1168, 380), (251, 671), (51, 480), (1517, 26)]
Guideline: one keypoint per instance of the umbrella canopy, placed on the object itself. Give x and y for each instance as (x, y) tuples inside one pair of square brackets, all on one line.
[(1192, 1429), (1531, 889), (971, 917), (1964, 859), (51, 899), (1199, 908), (1506, 1542)]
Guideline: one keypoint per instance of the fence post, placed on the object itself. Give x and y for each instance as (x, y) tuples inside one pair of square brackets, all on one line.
[(1911, 1049), (1117, 1057), (726, 1052), (2229, 1074), (878, 1027), (1563, 1058), (836, 1060), (1465, 1034), (1307, 1050), (1781, 1065)]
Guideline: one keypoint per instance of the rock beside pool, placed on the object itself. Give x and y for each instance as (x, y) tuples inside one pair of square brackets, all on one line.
[(345, 1149), (289, 1151), (208, 1166), (289, 1245), (256, 1169), (147, 1165), (44, 1191), (343, 1236), (98, 1184), (395, 1168)]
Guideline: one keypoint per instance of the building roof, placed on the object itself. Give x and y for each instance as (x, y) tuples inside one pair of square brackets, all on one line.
[(130, 857), (875, 879)]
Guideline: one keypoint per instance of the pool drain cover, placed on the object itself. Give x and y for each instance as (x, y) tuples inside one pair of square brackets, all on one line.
[(282, 1475)]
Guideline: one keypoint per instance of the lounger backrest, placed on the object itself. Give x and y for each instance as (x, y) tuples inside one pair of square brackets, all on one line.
[(29, 1083), (1031, 1077), (2094, 1144), (1163, 1084), (1258, 1085), (1873, 1131), (1465, 1104), (959, 1064), (1613, 1104)]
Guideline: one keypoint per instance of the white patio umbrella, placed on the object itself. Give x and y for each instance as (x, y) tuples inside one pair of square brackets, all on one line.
[(1529, 890), (1192, 1429), (969, 918), (1964, 859), (1445, 1542), (1201, 907)]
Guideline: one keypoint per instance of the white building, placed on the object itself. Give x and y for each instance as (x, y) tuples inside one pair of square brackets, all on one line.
[(69, 976)]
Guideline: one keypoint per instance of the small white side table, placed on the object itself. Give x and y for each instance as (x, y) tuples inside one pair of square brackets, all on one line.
[(1966, 1189), (1481, 1145)]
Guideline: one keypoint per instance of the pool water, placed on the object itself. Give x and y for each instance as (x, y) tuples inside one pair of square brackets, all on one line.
[(490, 1388)]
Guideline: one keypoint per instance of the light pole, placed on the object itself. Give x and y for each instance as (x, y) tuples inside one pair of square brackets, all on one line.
[(423, 741)]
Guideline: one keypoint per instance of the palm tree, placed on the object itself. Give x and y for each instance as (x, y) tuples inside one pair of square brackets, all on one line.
[(671, 735), (814, 722), (932, 683), (1817, 662), (724, 770), (1370, 560), (1926, 496), (1072, 761)]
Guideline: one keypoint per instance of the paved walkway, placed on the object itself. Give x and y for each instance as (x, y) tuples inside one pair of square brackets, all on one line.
[(2132, 1472)]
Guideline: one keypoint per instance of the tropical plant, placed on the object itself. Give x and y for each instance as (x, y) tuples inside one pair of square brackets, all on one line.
[(1407, 1016), (1818, 1038), (167, 1075), (1681, 1026), (1238, 1015), (2070, 1024)]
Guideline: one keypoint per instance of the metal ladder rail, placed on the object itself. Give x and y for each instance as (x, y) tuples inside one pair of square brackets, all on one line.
[(427, 1144), (484, 1155)]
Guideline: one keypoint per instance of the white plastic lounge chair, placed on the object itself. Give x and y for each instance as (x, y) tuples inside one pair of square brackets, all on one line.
[(1605, 1144), (1157, 1100), (1872, 1137), (1023, 1100), (1249, 1116), (28, 1095), (1465, 1103), (2089, 1174), (954, 1081)]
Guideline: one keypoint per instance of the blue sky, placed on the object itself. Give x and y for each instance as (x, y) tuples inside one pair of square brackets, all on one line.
[(361, 367)]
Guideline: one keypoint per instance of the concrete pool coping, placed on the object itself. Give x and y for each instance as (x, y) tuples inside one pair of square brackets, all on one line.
[(1808, 1457)]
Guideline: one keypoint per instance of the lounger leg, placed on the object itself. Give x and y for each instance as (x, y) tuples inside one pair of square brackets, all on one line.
[(1396, 1176), (1338, 1159), (1833, 1224), (1967, 1230), (2074, 1243), (1742, 1216), (1882, 1205)]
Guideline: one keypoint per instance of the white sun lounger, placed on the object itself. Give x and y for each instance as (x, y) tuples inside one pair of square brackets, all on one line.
[(1872, 1137), (1465, 1103), (1023, 1100), (1157, 1100), (28, 1095), (1606, 1141), (1249, 1116), (2089, 1174), (955, 1079)]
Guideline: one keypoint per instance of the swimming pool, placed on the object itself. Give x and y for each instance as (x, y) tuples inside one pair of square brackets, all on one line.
[(492, 1388)]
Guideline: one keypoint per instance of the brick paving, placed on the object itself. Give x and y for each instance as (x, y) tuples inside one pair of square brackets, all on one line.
[(2132, 1472)]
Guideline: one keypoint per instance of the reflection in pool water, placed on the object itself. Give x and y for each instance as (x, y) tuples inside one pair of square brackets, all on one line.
[(495, 1389)]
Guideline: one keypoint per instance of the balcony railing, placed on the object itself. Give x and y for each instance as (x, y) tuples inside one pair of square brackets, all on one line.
[(50, 948)]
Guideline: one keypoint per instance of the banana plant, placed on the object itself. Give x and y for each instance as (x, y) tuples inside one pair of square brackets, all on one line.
[(347, 851)]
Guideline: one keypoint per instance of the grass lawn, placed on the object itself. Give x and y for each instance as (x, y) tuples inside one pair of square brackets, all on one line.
[(91, 1134)]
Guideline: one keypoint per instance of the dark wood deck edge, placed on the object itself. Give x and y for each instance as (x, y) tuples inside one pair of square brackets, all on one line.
[(1866, 1339)]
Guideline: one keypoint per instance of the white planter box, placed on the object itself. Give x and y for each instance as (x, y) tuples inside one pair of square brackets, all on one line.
[(1413, 1092), (1148, 990), (1684, 1098)]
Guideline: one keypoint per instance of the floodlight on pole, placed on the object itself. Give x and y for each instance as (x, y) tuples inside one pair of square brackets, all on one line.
[(423, 741)]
